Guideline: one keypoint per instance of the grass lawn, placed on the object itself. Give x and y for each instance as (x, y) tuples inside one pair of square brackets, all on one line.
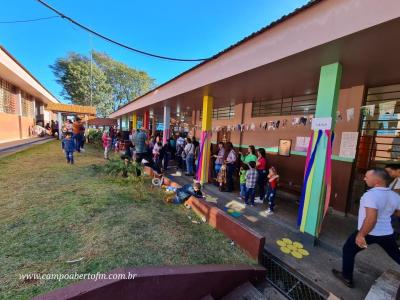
[(51, 212)]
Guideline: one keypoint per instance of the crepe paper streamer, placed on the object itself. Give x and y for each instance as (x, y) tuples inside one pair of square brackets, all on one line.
[(310, 143), (328, 175), (200, 158), (306, 177)]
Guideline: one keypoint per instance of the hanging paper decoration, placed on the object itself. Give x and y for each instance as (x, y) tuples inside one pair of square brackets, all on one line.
[(253, 127)]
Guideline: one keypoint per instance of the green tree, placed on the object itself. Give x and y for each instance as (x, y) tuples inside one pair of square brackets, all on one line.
[(84, 84), (107, 82), (127, 83)]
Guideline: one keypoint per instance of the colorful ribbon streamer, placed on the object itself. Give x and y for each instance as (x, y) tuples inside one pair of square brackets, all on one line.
[(306, 177), (200, 158)]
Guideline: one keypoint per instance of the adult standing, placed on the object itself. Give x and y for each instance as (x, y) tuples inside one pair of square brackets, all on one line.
[(377, 205), (139, 140), (188, 152), (394, 172), (76, 128), (250, 155), (219, 158), (261, 166), (113, 136), (230, 160)]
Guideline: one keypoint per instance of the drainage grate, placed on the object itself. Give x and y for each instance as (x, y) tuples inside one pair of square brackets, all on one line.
[(287, 282)]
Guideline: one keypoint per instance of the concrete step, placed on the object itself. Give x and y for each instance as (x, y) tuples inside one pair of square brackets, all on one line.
[(385, 287), (246, 291)]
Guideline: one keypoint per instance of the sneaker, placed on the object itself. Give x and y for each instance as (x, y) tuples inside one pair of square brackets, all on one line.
[(258, 201), (339, 275), (269, 212), (82, 150)]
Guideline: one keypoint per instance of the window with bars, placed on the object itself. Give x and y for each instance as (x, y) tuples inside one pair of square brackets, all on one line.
[(222, 113), (7, 97), (27, 105), (284, 106)]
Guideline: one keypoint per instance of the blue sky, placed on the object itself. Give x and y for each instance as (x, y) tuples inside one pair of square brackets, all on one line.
[(177, 28)]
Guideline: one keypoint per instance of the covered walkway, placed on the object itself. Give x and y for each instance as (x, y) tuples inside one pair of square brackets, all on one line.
[(317, 266)]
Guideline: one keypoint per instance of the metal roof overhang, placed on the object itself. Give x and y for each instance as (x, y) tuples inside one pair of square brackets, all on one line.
[(285, 61)]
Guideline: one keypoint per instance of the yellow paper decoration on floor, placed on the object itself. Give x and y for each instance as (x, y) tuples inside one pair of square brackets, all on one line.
[(298, 245), (285, 250), (281, 243), (287, 241), (303, 252), (297, 254)]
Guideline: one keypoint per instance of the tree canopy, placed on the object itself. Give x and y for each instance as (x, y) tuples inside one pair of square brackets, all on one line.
[(105, 83)]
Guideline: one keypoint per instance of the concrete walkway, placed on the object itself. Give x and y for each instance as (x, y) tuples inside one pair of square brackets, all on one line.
[(19, 145), (370, 264)]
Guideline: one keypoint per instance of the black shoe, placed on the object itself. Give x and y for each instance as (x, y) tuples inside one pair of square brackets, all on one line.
[(339, 275)]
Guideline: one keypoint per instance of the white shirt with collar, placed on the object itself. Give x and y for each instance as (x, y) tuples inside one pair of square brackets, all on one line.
[(385, 201)]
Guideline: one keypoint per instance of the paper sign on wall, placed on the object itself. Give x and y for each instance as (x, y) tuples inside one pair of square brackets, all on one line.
[(321, 123), (302, 143), (348, 144)]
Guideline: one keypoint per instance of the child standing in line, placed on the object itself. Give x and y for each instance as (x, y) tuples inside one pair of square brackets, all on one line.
[(251, 180), (273, 178), (69, 147), (242, 179), (106, 143)]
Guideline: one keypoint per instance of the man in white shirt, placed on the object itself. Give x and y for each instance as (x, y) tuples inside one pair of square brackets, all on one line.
[(377, 205)]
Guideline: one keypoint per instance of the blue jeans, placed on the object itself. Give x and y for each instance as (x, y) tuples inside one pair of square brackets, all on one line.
[(250, 194), (217, 167), (70, 156), (189, 163), (271, 198), (78, 141), (261, 183), (243, 190)]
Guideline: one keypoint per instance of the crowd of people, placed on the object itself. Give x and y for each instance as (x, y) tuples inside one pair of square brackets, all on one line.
[(254, 175)]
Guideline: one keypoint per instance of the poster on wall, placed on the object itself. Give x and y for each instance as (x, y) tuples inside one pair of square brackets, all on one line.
[(302, 143), (284, 147), (350, 114), (348, 144), (368, 110)]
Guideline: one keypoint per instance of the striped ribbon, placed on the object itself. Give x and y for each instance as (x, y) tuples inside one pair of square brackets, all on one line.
[(200, 158)]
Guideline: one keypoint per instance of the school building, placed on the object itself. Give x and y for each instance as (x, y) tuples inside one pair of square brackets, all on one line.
[(319, 89), (23, 100)]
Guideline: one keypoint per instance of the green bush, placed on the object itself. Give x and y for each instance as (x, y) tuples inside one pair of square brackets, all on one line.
[(94, 137), (122, 168)]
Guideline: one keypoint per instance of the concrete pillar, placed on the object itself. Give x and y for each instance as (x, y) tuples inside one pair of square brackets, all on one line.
[(311, 209), (146, 119), (59, 120), (205, 140), (167, 121)]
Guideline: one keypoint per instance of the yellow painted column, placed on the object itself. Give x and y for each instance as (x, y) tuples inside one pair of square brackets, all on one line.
[(206, 138), (134, 120)]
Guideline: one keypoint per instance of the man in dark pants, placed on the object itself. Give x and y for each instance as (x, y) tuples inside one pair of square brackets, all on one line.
[(377, 205), (139, 140)]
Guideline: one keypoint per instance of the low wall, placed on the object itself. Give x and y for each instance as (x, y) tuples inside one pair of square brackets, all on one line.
[(169, 282), (14, 127), (248, 239)]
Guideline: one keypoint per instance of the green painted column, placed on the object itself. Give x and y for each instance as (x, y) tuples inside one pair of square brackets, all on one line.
[(327, 102)]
